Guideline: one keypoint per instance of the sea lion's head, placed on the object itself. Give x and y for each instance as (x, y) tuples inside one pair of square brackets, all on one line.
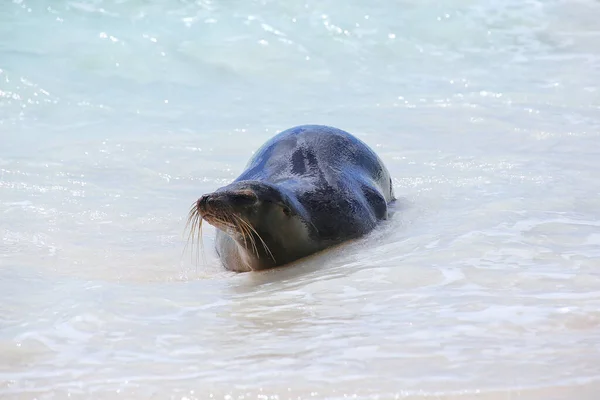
[(266, 222)]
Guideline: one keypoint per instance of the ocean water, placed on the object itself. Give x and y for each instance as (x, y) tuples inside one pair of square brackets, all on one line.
[(115, 115)]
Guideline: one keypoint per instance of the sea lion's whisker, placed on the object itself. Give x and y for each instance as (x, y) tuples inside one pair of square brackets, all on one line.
[(247, 231), (190, 224), (250, 230), (196, 236), (194, 224), (190, 217), (261, 239), (200, 242), (235, 221), (224, 222), (265, 245), (244, 231), (239, 222), (245, 234)]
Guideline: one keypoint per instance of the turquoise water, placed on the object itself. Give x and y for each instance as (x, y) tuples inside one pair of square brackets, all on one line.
[(116, 115)]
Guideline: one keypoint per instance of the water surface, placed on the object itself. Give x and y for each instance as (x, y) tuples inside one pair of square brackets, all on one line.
[(116, 115)]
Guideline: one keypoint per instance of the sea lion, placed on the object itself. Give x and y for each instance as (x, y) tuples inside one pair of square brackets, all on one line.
[(308, 188)]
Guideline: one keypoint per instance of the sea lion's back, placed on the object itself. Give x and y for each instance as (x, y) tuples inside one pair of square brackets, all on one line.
[(318, 152)]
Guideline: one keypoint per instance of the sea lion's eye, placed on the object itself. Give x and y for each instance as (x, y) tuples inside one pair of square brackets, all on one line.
[(243, 198), (287, 211)]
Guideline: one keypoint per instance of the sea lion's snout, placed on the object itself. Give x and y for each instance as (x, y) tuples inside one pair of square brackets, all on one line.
[(202, 204), (220, 201)]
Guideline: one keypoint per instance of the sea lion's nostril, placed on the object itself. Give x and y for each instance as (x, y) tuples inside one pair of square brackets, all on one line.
[(203, 202)]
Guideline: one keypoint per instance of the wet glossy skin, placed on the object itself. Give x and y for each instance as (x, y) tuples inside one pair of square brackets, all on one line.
[(308, 188)]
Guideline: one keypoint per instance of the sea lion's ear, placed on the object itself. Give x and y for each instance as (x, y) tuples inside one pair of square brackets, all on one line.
[(244, 197), (286, 210)]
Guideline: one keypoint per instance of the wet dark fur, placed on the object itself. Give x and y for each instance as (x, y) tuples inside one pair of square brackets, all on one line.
[(306, 189)]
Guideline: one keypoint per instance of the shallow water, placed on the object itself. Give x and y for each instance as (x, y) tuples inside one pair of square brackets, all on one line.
[(116, 115)]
